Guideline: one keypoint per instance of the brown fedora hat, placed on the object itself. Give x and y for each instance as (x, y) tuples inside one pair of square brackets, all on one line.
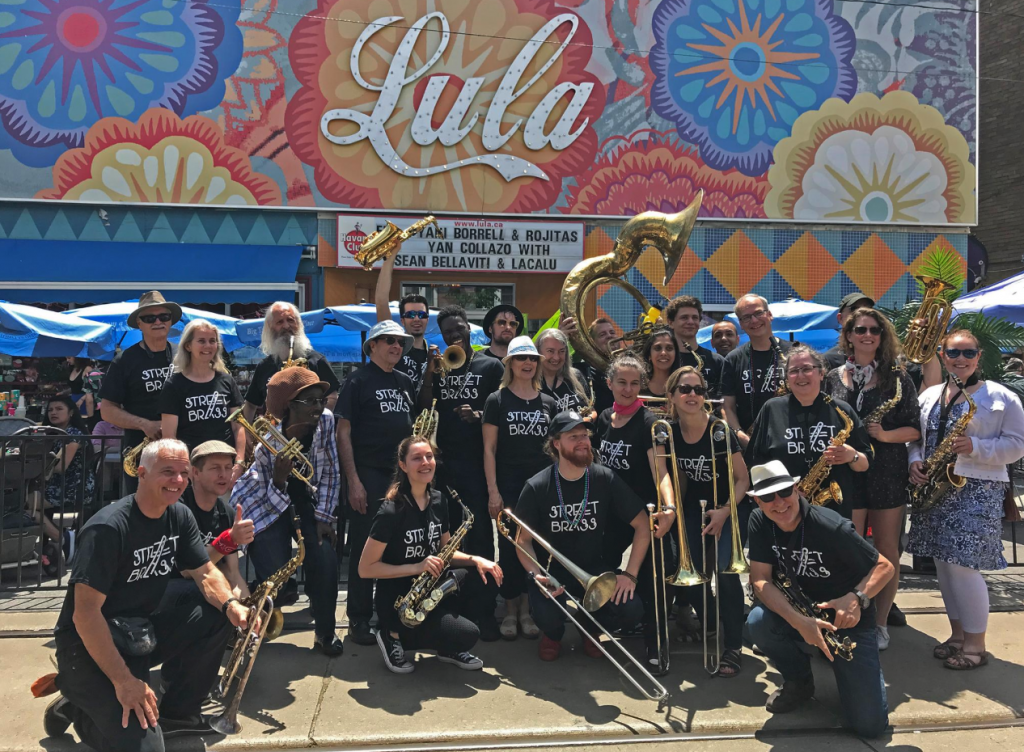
[(153, 299)]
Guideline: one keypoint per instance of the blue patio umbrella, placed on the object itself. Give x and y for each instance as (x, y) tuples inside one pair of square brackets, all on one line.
[(811, 323), (250, 331), (361, 316), (116, 314), (35, 332), (1004, 299)]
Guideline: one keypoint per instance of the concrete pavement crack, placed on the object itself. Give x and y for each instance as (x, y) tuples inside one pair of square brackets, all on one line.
[(319, 702)]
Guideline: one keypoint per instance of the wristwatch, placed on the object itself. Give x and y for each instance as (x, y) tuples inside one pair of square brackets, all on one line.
[(228, 602), (865, 602), (856, 456)]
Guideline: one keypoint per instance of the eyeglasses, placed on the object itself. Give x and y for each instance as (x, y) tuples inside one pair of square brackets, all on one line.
[(874, 330), (689, 388), (389, 339), (416, 315), (152, 318), (804, 371), (524, 358), (759, 314), (311, 402), (782, 493), (953, 353)]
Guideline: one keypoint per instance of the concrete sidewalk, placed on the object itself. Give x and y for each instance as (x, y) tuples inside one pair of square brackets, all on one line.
[(297, 698)]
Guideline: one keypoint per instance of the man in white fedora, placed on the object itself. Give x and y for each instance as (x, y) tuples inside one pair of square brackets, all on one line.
[(831, 568)]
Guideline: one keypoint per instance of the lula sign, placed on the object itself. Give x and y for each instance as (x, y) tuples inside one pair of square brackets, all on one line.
[(452, 129)]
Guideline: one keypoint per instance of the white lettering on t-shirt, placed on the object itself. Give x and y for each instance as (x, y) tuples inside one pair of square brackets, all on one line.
[(421, 542), (526, 423), (804, 562), (766, 378), (462, 388), (697, 469), (571, 520), (154, 378), (568, 401), (392, 401), (206, 407), (154, 561), (615, 454), (818, 439)]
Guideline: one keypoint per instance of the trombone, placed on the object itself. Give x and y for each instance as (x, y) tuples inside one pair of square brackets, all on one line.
[(263, 426), (597, 591), (737, 563)]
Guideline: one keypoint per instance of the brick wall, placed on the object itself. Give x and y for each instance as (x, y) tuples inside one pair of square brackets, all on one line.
[(1001, 141)]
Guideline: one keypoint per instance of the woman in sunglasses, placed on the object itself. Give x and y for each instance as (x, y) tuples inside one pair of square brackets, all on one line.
[(963, 531), (659, 354), (696, 453), (515, 425), (866, 381), (200, 394), (797, 429)]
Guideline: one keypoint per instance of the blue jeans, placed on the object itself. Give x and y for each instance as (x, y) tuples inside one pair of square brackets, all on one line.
[(551, 620), (860, 681), (273, 547)]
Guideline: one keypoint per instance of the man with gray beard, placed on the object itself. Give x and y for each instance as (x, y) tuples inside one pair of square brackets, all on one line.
[(281, 323)]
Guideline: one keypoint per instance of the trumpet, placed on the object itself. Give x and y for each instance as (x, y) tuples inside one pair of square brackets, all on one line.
[(426, 422), (598, 590), (452, 359), (131, 458), (263, 426), (927, 327)]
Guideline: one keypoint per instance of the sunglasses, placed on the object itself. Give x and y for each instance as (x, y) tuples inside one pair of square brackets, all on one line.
[(688, 388), (389, 340), (311, 402), (953, 353), (782, 493), (874, 330), (415, 315), (152, 318), (524, 358)]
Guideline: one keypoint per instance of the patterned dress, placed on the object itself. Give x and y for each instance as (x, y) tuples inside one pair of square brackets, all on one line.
[(966, 526), (70, 481)]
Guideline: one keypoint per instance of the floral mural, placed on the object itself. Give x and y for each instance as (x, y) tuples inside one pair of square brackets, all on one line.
[(814, 110)]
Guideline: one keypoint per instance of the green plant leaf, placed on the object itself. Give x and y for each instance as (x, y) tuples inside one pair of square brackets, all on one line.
[(994, 335), (944, 264)]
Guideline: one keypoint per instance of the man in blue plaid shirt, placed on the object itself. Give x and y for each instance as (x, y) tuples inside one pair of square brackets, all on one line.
[(296, 396)]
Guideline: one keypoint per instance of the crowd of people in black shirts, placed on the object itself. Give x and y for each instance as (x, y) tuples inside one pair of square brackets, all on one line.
[(570, 450)]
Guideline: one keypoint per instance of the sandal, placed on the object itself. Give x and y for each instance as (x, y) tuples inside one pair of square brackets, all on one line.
[(731, 659), (510, 624), (527, 626), (962, 660), (946, 650)]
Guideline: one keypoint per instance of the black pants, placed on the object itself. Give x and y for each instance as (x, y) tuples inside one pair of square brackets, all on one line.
[(730, 589), (450, 628), (273, 547), (468, 480), (646, 584), (360, 592), (514, 576), (551, 620), (191, 637)]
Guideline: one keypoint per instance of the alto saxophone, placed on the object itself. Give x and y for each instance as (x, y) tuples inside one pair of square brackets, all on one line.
[(428, 591), (811, 484), (132, 457), (939, 466), (876, 415), (780, 364)]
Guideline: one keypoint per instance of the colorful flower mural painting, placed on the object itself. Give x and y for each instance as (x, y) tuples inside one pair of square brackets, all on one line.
[(67, 64), (873, 160), (161, 159), (734, 75), (812, 110)]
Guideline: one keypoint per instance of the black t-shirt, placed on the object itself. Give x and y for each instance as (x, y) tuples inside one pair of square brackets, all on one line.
[(713, 365), (202, 408), (491, 354), (835, 357), (414, 365), (603, 398), (577, 529), (129, 558), (752, 383), (378, 404), (410, 535), (470, 385), (522, 430), (796, 435), (565, 397), (624, 450), (824, 555), (694, 462), (257, 392), (134, 381), (210, 524)]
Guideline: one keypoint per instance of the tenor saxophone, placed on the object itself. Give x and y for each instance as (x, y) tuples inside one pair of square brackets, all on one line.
[(939, 465), (811, 486), (428, 591)]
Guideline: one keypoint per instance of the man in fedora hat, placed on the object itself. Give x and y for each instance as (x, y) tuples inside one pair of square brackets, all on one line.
[(501, 324), (130, 392), (374, 414), (837, 570), (271, 496)]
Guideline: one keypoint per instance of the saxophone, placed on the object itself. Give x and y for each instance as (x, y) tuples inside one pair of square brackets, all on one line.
[(939, 466), (780, 363), (804, 605), (811, 484), (428, 591), (876, 415)]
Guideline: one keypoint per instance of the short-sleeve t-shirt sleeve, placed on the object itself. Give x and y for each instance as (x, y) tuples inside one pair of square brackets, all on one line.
[(625, 503), (90, 567)]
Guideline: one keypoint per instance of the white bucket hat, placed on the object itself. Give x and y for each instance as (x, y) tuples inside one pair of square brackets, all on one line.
[(521, 345), (385, 329)]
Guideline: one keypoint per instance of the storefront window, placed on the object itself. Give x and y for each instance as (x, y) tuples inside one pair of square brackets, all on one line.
[(477, 299)]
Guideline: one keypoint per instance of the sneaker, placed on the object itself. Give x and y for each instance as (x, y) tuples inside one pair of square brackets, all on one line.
[(330, 645), (882, 634), (194, 725), (394, 653), (489, 631), (55, 718), (69, 545), (549, 649), (592, 650), (896, 617), (465, 661), (793, 694), (360, 632)]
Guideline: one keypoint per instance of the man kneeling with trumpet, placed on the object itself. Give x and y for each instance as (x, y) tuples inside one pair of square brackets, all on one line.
[(423, 601), (573, 504)]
